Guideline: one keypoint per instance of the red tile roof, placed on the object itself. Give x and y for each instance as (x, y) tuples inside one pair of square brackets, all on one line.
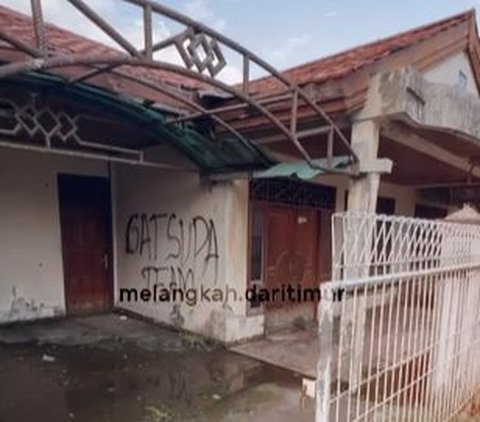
[(344, 63), (332, 67), (60, 40)]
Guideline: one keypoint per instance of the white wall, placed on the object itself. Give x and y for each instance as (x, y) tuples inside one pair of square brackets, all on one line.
[(210, 251), (447, 72), (31, 271)]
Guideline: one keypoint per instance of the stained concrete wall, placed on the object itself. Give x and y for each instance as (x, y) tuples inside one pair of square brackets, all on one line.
[(174, 227), (211, 251), (406, 94), (447, 72), (215, 216), (31, 270)]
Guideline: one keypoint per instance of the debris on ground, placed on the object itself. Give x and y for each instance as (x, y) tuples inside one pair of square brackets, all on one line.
[(193, 341), (154, 414), (48, 358)]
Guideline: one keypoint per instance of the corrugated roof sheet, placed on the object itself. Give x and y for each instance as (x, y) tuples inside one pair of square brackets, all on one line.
[(301, 169)]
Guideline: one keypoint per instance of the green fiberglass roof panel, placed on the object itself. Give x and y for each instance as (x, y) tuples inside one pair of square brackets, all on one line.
[(302, 169), (227, 154)]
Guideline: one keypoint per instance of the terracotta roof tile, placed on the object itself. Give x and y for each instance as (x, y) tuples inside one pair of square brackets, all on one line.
[(61, 40), (332, 67), (344, 63)]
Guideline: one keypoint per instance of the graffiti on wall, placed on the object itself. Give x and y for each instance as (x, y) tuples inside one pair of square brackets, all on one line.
[(173, 250)]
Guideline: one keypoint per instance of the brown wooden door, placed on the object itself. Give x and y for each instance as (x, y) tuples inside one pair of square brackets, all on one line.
[(86, 243), (292, 247)]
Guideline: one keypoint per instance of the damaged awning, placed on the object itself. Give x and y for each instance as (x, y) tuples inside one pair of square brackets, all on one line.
[(45, 112), (209, 129), (303, 170)]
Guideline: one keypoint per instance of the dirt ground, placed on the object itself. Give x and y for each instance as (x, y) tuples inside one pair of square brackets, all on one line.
[(116, 369)]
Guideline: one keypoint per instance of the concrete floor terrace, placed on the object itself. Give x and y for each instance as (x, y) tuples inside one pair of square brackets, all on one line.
[(114, 368)]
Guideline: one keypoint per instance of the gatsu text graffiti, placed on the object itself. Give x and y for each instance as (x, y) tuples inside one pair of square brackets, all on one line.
[(177, 251)]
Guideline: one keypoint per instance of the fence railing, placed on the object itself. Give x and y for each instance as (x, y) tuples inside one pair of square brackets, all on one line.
[(367, 245), (403, 343)]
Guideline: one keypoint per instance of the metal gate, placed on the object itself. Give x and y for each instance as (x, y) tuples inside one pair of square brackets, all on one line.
[(400, 323)]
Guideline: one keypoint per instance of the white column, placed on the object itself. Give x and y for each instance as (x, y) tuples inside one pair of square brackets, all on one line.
[(363, 189), (362, 197)]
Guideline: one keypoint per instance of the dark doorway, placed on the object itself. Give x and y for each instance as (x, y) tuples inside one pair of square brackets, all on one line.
[(385, 206), (85, 217), (430, 212)]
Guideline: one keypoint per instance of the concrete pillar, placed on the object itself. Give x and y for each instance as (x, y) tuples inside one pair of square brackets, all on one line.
[(363, 190), (324, 364), (362, 197)]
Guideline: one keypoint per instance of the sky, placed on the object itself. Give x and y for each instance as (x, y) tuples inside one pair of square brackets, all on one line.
[(285, 33)]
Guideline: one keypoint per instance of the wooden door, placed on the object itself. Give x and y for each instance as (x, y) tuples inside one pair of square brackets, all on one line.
[(292, 246), (86, 243)]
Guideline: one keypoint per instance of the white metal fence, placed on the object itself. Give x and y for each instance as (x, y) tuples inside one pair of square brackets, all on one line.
[(403, 344)]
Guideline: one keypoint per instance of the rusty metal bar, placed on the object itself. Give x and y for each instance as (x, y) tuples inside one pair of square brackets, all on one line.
[(294, 115), (246, 74), (39, 26), (150, 7), (148, 33), (92, 73), (53, 62), (330, 141), (237, 47), (174, 95), (300, 135), (104, 26), (191, 104), (225, 109), (18, 44)]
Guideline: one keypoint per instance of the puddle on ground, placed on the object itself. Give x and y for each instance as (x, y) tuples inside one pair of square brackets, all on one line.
[(112, 380)]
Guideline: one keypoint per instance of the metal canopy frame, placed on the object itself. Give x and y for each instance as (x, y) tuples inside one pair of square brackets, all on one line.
[(203, 52)]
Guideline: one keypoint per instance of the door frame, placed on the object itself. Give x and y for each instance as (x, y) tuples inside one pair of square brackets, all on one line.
[(293, 211), (109, 222), (266, 207)]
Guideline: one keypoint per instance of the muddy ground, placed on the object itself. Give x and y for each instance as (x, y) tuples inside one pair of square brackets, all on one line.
[(98, 373)]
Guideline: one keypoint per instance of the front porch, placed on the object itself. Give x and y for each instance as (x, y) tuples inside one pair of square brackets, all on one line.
[(96, 196)]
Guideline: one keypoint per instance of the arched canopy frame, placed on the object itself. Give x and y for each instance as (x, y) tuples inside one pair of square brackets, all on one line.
[(202, 51)]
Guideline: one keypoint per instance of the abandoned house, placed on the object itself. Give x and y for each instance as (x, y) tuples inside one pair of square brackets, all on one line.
[(119, 174)]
